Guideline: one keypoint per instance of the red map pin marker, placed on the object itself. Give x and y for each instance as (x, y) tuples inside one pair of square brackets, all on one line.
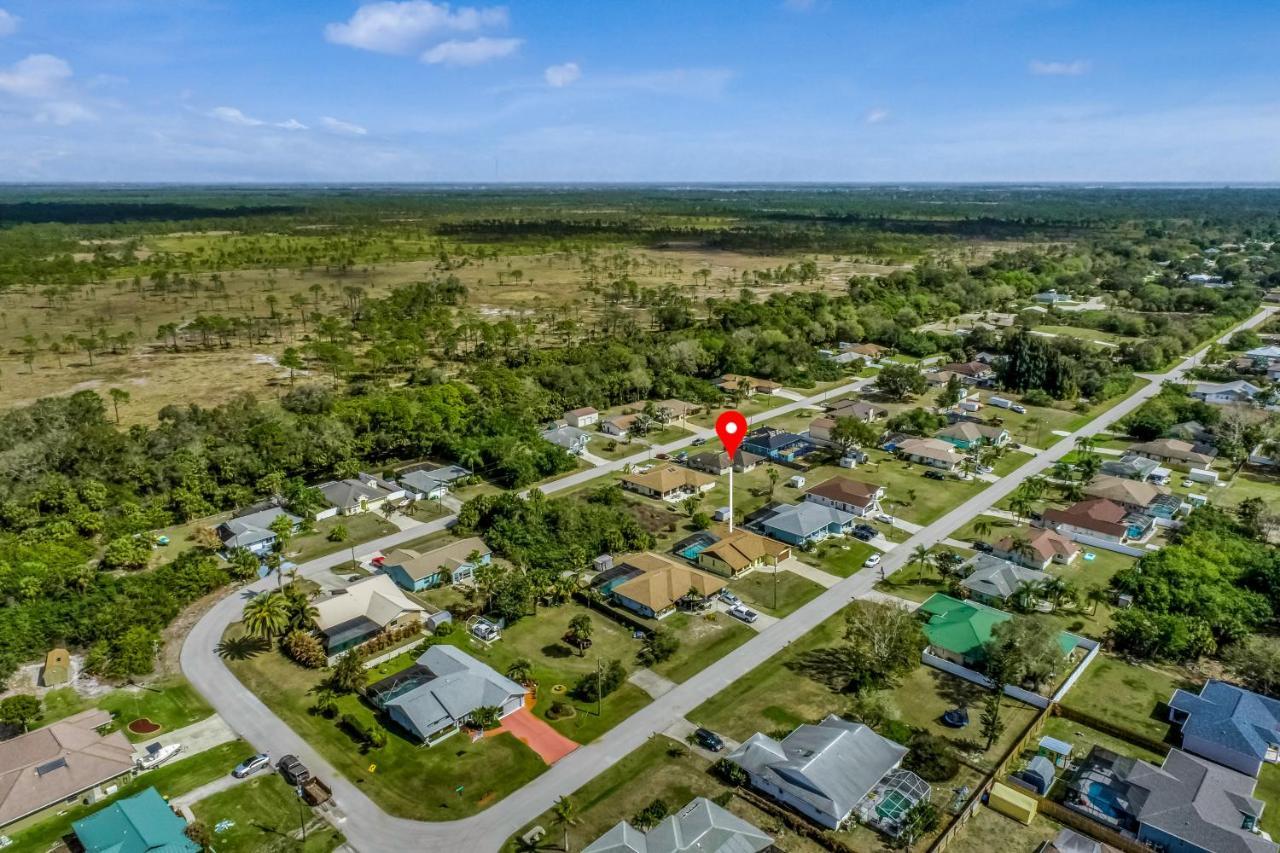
[(732, 428)]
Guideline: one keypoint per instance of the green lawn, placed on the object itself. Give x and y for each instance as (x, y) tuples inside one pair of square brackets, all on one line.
[(1268, 791), (268, 816), (914, 582), (989, 830), (1086, 334), (761, 589), (361, 527), (703, 641), (1243, 486), (41, 832), (1083, 738), (403, 778), (909, 494), (840, 557), (1010, 462), (1132, 696), (173, 704), (660, 769), (749, 408)]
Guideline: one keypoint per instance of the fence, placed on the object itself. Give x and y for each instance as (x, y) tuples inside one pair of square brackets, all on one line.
[(392, 652), (1085, 826), (1109, 545), (1106, 727), (1033, 699), (1081, 642)]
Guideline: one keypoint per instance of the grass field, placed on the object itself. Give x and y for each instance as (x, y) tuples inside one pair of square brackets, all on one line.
[(758, 590), (268, 817), (703, 641), (989, 830), (1128, 695), (172, 704), (43, 831)]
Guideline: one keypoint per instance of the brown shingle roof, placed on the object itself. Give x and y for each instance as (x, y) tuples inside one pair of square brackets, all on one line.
[(1097, 514), (663, 583), (668, 478), (742, 548), (1044, 543), (847, 491)]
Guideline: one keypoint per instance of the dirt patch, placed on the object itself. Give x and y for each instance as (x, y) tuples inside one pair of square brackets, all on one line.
[(144, 726), (652, 518), (176, 632)]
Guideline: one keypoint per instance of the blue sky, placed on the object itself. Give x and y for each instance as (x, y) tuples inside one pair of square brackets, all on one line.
[(609, 90)]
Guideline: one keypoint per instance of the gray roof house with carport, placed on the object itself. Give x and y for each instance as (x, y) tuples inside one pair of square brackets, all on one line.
[(699, 827), (1235, 727)]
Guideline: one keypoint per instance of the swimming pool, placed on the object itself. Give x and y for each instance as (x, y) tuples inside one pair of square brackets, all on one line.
[(1105, 799), (691, 552)]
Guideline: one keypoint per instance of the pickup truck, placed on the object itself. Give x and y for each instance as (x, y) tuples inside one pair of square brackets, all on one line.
[(294, 771), (315, 792)]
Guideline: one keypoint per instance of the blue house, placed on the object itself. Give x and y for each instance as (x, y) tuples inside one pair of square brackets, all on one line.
[(806, 522), (776, 444), (448, 564), (143, 823), (1235, 727)]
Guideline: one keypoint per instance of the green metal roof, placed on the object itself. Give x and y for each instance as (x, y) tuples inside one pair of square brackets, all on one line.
[(965, 627), (143, 823)]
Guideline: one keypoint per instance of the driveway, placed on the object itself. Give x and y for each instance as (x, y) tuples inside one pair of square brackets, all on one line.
[(197, 737), (370, 829), (538, 735)]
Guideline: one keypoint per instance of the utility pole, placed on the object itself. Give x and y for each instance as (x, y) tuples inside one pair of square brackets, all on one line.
[(599, 684)]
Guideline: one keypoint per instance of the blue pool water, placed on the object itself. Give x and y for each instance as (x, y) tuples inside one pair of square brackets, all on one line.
[(692, 552), (1104, 799)]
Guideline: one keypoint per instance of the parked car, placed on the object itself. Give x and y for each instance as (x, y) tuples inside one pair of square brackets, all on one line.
[(873, 560), (985, 469), (884, 518), (729, 598), (293, 770), (663, 456), (984, 547), (865, 532), (744, 613), (935, 475), (708, 739), (698, 442), (251, 765)]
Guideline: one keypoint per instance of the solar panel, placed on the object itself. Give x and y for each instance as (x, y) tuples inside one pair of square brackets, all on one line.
[(50, 766)]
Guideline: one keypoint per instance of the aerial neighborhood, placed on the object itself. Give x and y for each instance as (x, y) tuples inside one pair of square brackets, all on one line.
[(992, 565)]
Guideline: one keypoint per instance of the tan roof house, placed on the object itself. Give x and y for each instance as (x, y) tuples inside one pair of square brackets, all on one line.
[(619, 425), (933, 452), (582, 418), (1038, 549), (740, 551), (661, 584), (357, 613), (1133, 494), (731, 382), (858, 410), (849, 495), (53, 764), (668, 483), (1175, 450), (452, 563), (678, 409)]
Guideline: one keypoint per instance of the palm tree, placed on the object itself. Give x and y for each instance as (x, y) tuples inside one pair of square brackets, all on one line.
[(922, 558), (579, 633), (266, 615), (1021, 505), (566, 815), (1057, 590), (982, 527), (1063, 470), (521, 671)]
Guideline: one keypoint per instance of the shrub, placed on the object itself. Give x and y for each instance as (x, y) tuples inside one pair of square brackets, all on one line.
[(594, 686), (486, 717), (304, 649), (1036, 397), (931, 758), (651, 815), (338, 533), (729, 773), (896, 730), (659, 645)]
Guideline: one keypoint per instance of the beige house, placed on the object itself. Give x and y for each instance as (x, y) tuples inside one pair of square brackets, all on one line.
[(933, 452), (582, 418), (1131, 494), (1039, 549), (732, 382), (668, 483), (57, 763), (661, 584), (1175, 451), (618, 426), (740, 551), (355, 614)]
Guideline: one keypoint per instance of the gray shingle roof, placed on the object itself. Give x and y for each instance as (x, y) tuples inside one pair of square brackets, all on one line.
[(700, 826), (454, 686), (831, 766), (252, 528), (998, 578), (805, 518), (1231, 717)]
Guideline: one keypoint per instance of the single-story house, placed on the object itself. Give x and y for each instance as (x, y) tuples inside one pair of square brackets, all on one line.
[(717, 462), (1133, 495), (1225, 393), (699, 827), (874, 352), (942, 378), (452, 563), (619, 426), (967, 435), (859, 410), (933, 452), (958, 631), (582, 418), (732, 382), (1099, 518), (992, 580), (831, 770), (731, 554), (436, 697), (677, 410), (1131, 466), (1041, 548), (668, 483), (361, 493), (1187, 804), (573, 440), (658, 585), (1192, 431), (55, 763), (820, 429), (1175, 451), (432, 483), (143, 823), (852, 496), (971, 372), (1052, 297), (357, 613), (1234, 727), (778, 445), (1263, 356), (804, 522), (252, 530), (843, 358)]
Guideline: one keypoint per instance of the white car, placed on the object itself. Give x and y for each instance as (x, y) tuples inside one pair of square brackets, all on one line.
[(729, 598), (745, 614), (873, 560), (886, 519), (985, 469)]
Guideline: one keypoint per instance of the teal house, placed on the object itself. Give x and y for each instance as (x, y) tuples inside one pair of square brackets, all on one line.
[(444, 566), (143, 823)]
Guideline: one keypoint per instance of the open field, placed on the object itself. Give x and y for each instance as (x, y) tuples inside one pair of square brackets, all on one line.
[(172, 704), (775, 593), (1128, 695), (989, 830), (268, 816)]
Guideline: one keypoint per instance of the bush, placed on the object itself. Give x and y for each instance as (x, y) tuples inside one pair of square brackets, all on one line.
[(304, 649), (659, 645), (896, 730), (700, 521), (651, 815), (444, 629), (1036, 397), (729, 773), (931, 758), (338, 533), (592, 686)]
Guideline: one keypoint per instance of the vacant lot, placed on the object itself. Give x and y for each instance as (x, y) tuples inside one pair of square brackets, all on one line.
[(172, 704), (775, 593), (1129, 695), (267, 816)]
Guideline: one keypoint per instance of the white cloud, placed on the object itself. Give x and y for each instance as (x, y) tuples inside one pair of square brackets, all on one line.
[(8, 23), (1059, 69), (63, 113), (697, 82), (562, 75), (876, 115), (40, 75), (340, 126), (231, 115), (291, 124), (399, 27), (472, 52)]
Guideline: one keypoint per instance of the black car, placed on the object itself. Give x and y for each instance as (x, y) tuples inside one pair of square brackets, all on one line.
[(293, 770), (984, 547), (865, 532), (935, 475), (708, 739), (698, 442)]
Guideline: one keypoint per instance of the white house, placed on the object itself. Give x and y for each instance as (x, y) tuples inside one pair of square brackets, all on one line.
[(582, 418), (1225, 393)]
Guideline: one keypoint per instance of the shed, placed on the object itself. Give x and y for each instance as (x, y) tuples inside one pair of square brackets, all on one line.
[(796, 482), (57, 668), (1057, 751), (721, 514), (1011, 803), (435, 620), (1039, 775)]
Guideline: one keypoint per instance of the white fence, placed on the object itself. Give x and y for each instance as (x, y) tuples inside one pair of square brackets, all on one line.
[(1109, 545), (1033, 699), (1081, 643)]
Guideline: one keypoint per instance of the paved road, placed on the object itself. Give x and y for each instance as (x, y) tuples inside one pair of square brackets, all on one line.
[(368, 828)]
